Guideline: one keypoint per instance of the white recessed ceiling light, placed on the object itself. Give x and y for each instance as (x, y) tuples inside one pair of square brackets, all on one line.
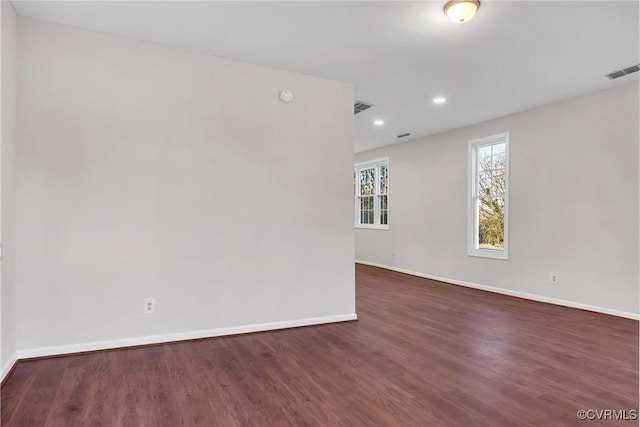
[(378, 122), (460, 11), (439, 100)]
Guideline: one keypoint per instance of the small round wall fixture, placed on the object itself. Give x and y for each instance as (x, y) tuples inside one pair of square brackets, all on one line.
[(460, 11), (286, 95)]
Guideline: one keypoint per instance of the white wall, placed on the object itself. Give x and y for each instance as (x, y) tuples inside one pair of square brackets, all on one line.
[(8, 216), (145, 171), (573, 204)]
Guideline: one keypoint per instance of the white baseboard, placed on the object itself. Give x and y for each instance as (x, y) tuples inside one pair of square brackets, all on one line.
[(533, 297), (8, 366), (180, 336)]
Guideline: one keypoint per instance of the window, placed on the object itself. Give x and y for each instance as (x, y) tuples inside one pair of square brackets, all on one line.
[(489, 196), (371, 190)]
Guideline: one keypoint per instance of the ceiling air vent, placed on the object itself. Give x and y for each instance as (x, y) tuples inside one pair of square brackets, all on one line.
[(404, 135), (360, 106), (619, 73)]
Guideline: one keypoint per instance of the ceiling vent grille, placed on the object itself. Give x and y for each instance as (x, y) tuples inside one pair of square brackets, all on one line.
[(404, 135), (360, 106), (625, 71)]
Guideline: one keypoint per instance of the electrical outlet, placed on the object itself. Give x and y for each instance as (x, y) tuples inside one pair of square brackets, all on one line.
[(554, 278), (393, 254), (149, 305)]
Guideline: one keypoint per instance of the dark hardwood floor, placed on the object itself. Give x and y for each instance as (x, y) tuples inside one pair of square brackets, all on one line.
[(423, 353)]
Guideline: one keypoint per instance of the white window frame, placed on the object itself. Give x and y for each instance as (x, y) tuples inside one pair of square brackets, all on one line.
[(376, 199), (472, 198)]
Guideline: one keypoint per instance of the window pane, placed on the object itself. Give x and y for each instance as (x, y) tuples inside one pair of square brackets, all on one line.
[(484, 158), (498, 156), (383, 210), (367, 182), (366, 210), (499, 182), (491, 223), (484, 183), (384, 178), (383, 203)]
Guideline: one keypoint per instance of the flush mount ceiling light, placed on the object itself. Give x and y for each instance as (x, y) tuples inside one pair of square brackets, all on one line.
[(439, 100), (461, 10), (378, 122)]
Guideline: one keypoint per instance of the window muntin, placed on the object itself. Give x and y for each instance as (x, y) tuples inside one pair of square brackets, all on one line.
[(371, 184), (488, 216)]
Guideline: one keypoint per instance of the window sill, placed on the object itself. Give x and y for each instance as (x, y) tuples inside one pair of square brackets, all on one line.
[(372, 226), (488, 253)]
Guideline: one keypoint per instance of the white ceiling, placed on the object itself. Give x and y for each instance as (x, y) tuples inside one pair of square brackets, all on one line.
[(512, 56)]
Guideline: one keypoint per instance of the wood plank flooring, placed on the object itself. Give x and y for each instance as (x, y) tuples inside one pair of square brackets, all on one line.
[(423, 353)]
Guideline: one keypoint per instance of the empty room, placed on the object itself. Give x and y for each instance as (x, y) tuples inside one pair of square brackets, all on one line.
[(319, 213)]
